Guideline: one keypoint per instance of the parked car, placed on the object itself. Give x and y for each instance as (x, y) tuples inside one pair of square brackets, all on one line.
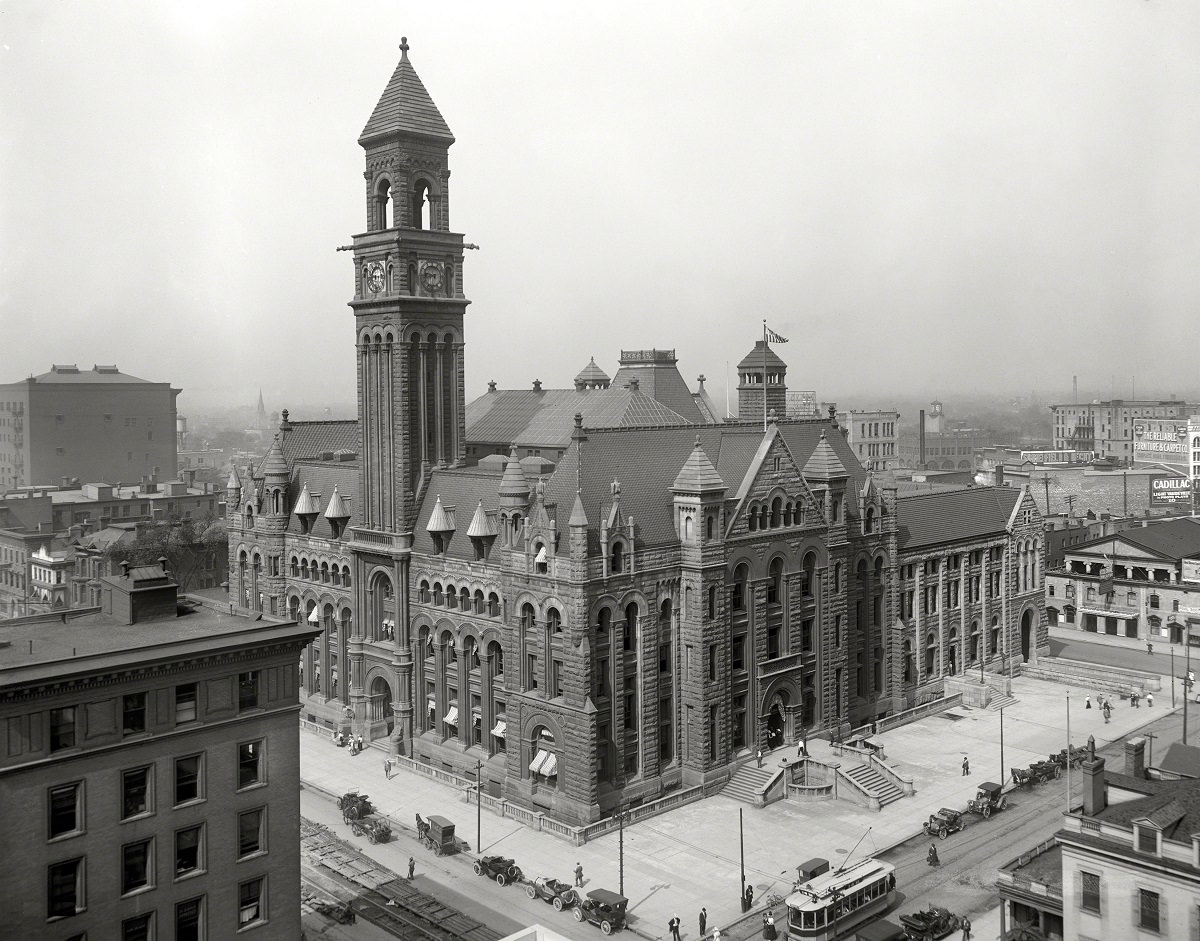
[(945, 822), (559, 894), (990, 797), (500, 868), (603, 908), (931, 924)]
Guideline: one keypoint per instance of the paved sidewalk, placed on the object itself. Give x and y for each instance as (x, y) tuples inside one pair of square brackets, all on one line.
[(689, 857)]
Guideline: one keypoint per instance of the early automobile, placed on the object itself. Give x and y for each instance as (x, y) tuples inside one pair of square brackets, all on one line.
[(603, 908), (354, 805), (990, 797), (500, 868), (945, 822), (1043, 771), (930, 924), (559, 894)]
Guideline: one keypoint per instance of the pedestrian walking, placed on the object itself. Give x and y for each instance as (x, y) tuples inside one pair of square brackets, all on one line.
[(579, 875), (703, 920), (358, 742), (1107, 713), (1087, 702), (932, 856), (769, 932), (673, 927), (1150, 700), (966, 927), (749, 896), (716, 934), (412, 865), (387, 768), (1150, 648), (966, 766), (758, 755)]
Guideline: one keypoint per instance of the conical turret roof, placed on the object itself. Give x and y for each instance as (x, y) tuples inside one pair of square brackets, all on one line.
[(439, 519), (578, 516), (698, 474), (824, 464), (306, 505), (405, 107), (274, 463), (482, 525), (514, 482), (337, 509), (234, 482), (761, 356)]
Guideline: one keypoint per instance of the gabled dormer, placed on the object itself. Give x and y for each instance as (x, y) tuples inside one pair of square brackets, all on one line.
[(773, 493), (617, 535), (541, 533)]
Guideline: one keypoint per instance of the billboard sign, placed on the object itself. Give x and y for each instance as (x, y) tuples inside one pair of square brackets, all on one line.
[(1190, 573), (1160, 441), (1170, 491)]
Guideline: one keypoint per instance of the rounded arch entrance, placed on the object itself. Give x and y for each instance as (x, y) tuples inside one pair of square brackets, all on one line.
[(1027, 639), (379, 704), (778, 714)]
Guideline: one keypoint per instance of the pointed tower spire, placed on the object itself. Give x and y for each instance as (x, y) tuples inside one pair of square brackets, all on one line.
[(305, 504), (405, 107), (337, 509), (697, 474), (275, 464), (824, 464)]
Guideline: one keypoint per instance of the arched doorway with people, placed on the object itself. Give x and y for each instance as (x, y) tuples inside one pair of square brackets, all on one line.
[(777, 718)]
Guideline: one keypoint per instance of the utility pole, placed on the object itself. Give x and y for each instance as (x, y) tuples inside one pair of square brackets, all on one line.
[(1003, 769), (742, 847), (479, 806), (621, 815), (1150, 736), (1172, 676), (1068, 752), (1187, 682), (1046, 481)]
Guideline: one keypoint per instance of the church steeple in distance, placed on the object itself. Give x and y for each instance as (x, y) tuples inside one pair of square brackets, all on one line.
[(408, 304)]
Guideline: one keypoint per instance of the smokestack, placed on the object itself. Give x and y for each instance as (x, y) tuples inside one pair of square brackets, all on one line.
[(999, 475), (1135, 757), (921, 458), (1074, 390)]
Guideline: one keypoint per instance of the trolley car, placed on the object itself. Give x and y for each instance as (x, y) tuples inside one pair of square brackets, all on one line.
[(834, 903)]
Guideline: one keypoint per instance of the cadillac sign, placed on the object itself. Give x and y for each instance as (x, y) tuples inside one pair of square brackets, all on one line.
[(1170, 491)]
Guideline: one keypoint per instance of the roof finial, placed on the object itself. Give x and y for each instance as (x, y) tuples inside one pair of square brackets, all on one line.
[(403, 48)]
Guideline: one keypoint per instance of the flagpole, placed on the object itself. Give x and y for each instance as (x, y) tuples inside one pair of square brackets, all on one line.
[(764, 375)]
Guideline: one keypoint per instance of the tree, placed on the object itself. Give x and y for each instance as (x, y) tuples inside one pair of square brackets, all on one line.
[(191, 547)]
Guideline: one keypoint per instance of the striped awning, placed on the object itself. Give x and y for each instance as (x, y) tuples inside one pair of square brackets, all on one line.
[(500, 729), (451, 716), (538, 764)]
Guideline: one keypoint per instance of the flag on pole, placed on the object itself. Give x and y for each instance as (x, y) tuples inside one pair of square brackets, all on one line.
[(772, 336)]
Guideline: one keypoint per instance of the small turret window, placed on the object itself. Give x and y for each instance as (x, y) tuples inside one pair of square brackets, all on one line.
[(384, 215), (421, 217)]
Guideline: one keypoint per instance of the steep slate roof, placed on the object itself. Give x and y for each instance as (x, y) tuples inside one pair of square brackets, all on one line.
[(761, 355), (1182, 759), (547, 417), (463, 489), (308, 439), (1179, 822), (926, 519), (662, 382), (405, 107), (1171, 539), (321, 477)]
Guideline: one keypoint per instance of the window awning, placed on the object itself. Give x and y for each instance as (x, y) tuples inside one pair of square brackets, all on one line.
[(541, 555), (550, 767), (451, 716), (314, 617), (539, 761), (499, 730), (476, 718)]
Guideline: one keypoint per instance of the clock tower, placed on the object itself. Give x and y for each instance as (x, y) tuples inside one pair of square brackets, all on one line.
[(408, 306)]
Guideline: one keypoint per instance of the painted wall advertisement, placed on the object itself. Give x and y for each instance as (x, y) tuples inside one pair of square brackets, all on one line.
[(1170, 491), (1160, 442), (1191, 572)]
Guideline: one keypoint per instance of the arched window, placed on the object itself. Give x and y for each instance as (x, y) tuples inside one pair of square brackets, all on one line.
[(737, 591), (752, 519), (451, 597), (383, 207), (346, 576), (808, 579), (553, 621), (528, 617), (347, 622), (710, 526), (836, 511), (618, 557), (603, 623), (423, 595), (325, 572), (629, 641), (328, 622), (908, 662), (493, 605), (837, 577), (776, 513), (335, 575), (419, 215), (869, 522), (293, 608), (994, 639), (544, 765), (304, 568), (464, 598), (775, 581), (438, 597), (480, 605), (295, 567), (930, 656)]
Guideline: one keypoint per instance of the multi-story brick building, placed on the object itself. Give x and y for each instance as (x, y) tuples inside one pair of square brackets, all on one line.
[(635, 616), (939, 444), (1110, 428), (149, 762), (99, 424), (873, 437), (1140, 583)]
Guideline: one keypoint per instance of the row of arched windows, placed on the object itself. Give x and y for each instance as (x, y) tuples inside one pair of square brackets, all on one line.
[(302, 567), (461, 599)]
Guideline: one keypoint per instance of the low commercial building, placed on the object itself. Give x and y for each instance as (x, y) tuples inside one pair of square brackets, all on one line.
[(149, 762), (1142, 584), (873, 437), (1111, 428)]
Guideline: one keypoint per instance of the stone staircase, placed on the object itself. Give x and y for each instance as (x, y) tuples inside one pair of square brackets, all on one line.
[(875, 784), (1002, 701), (748, 783)]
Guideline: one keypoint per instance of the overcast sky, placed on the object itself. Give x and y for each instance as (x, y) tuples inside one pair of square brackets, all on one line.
[(926, 197)]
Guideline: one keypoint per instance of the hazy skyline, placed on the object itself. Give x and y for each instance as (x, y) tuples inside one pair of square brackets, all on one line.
[(924, 197)]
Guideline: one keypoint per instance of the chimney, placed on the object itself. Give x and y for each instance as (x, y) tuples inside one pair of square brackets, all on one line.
[(1093, 781), (634, 384), (921, 445), (1135, 757), (999, 475), (537, 385), (491, 385)]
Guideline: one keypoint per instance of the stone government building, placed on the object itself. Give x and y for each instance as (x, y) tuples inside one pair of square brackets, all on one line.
[(634, 613)]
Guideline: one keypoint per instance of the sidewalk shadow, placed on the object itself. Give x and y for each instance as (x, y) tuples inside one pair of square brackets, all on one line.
[(654, 890)]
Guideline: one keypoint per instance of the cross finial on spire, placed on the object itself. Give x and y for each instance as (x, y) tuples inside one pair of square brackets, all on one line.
[(404, 48)]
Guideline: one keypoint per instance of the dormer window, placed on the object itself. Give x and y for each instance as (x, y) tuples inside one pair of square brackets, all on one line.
[(541, 562), (617, 557), (1147, 839)]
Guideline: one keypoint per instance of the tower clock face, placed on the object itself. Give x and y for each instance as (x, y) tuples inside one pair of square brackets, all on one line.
[(431, 275), (375, 277)]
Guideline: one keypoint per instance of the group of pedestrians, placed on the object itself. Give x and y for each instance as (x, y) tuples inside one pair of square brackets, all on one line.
[(345, 739)]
